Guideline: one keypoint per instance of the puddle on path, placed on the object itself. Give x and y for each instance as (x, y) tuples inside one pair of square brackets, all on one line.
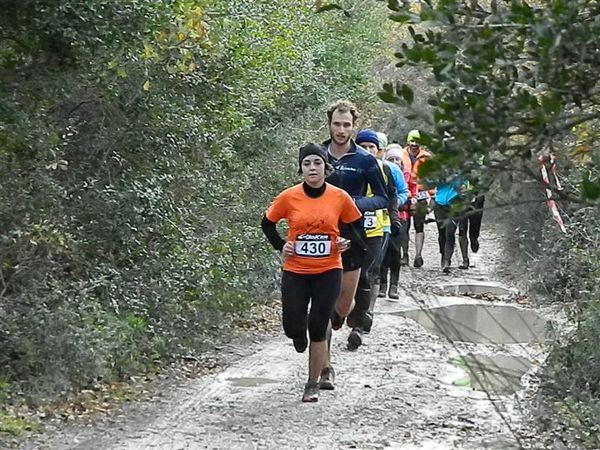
[(250, 381), (482, 324), (497, 374), (474, 289)]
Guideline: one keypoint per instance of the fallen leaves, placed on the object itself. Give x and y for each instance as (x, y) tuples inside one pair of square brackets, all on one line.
[(521, 299)]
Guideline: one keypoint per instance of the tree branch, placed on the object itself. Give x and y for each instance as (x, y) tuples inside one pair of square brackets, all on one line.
[(4, 285)]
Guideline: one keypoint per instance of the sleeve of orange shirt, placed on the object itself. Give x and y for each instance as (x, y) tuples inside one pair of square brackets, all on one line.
[(277, 210), (350, 212)]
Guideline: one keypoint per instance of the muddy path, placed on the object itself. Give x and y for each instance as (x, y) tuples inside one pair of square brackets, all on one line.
[(408, 387)]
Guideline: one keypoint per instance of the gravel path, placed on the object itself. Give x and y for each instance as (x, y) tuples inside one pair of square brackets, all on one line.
[(395, 392)]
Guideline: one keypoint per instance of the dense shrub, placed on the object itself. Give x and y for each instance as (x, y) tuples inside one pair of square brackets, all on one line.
[(510, 86), (561, 269), (140, 143), (572, 270)]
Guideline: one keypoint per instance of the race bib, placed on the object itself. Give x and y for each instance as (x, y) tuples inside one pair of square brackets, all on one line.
[(313, 245), (370, 220), (422, 195)]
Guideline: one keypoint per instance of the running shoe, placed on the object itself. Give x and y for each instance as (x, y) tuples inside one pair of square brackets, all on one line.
[(354, 339), (418, 261), (446, 266), (382, 291), (327, 380), (300, 344), (311, 392), (394, 292), (367, 323), (404, 260), (465, 264)]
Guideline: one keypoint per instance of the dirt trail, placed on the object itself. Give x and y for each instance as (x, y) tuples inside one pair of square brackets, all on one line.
[(398, 391)]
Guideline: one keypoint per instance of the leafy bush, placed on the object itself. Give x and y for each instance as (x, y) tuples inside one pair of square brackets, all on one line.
[(140, 143), (509, 86)]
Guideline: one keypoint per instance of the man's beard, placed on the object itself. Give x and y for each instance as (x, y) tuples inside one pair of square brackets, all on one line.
[(341, 144)]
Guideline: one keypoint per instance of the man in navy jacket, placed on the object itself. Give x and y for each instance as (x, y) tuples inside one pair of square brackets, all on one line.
[(355, 170)]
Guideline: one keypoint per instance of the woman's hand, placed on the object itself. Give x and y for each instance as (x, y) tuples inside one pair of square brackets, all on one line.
[(343, 244), (287, 250)]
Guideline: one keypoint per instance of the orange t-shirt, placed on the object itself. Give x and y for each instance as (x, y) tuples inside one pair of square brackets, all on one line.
[(422, 156), (313, 226)]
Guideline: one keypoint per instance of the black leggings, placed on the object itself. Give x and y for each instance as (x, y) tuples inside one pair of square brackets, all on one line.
[(446, 226), (391, 259), (418, 216), (297, 290), (472, 219), (369, 274)]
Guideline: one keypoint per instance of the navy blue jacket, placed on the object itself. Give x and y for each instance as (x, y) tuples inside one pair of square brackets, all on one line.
[(356, 170)]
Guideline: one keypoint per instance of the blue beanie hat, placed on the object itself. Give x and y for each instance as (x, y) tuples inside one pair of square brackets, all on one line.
[(367, 136)]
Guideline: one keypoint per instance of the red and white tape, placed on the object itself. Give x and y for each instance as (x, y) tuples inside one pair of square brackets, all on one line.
[(551, 159)]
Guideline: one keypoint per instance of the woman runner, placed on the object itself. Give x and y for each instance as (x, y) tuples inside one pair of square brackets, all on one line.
[(312, 263), (397, 251)]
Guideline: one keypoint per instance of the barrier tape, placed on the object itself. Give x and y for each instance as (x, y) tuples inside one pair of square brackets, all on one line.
[(551, 159)]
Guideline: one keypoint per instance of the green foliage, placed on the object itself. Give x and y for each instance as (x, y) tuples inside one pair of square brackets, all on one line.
[(512, 80), (565, 268), (140, 143), (329, 7), (569, 265), (15, 425), (574, 366), (582, 413), (4, 391)]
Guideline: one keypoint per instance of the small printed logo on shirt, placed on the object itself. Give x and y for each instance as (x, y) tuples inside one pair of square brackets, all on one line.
[(346, 168), (312, 237)]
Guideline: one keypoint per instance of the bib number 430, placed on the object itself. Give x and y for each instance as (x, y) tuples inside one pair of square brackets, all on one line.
[(313, 245)]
